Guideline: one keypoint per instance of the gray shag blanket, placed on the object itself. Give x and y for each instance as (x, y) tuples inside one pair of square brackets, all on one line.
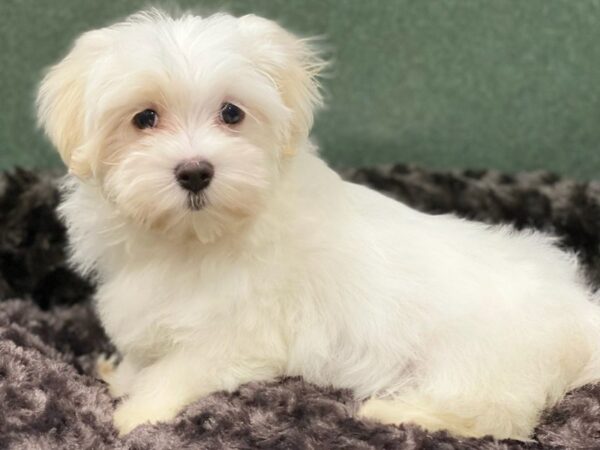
[(50, 337)]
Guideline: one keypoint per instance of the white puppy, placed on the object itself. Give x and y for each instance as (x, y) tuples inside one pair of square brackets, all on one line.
[(226, 251)]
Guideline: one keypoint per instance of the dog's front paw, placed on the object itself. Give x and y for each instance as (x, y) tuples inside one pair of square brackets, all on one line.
[(132, 413), (105, 367)]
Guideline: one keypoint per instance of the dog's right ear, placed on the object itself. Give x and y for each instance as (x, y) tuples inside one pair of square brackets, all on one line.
[(61, 96)]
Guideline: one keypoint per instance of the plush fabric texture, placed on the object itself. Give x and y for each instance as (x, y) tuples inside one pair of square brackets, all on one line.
[(50, 337)]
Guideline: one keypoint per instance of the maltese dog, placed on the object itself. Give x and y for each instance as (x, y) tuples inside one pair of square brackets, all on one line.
[(226, 251)]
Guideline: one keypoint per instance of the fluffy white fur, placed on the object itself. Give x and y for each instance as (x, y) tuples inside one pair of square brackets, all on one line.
[(288, 270)]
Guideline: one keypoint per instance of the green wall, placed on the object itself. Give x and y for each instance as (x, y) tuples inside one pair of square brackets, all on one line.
[(509, 84)]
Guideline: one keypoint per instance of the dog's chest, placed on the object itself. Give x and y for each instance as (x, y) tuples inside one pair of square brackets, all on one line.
[(153, 307)]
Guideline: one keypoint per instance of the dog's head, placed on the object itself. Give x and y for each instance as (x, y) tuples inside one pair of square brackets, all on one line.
[(183, 123)]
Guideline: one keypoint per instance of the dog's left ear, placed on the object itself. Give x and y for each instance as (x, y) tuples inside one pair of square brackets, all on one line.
[(294, 65)]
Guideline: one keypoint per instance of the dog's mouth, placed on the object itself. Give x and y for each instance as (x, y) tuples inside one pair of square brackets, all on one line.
[(197, 202)]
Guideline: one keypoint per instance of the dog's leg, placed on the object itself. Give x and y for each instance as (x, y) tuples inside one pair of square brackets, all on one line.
[(398, 411), (161, 390), (497, 384), (472, 400), (503, 404), (472, 418)]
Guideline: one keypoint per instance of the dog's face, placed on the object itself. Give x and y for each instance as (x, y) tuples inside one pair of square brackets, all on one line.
[(184, 124)]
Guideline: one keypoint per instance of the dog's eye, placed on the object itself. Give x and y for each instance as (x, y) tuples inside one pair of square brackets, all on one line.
[(148, 118), (231, 114)]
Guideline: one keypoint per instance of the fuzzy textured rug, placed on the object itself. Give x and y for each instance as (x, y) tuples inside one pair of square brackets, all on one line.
[(50, 338)]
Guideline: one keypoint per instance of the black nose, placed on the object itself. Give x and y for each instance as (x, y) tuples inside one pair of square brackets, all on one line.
[(194, 176)]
